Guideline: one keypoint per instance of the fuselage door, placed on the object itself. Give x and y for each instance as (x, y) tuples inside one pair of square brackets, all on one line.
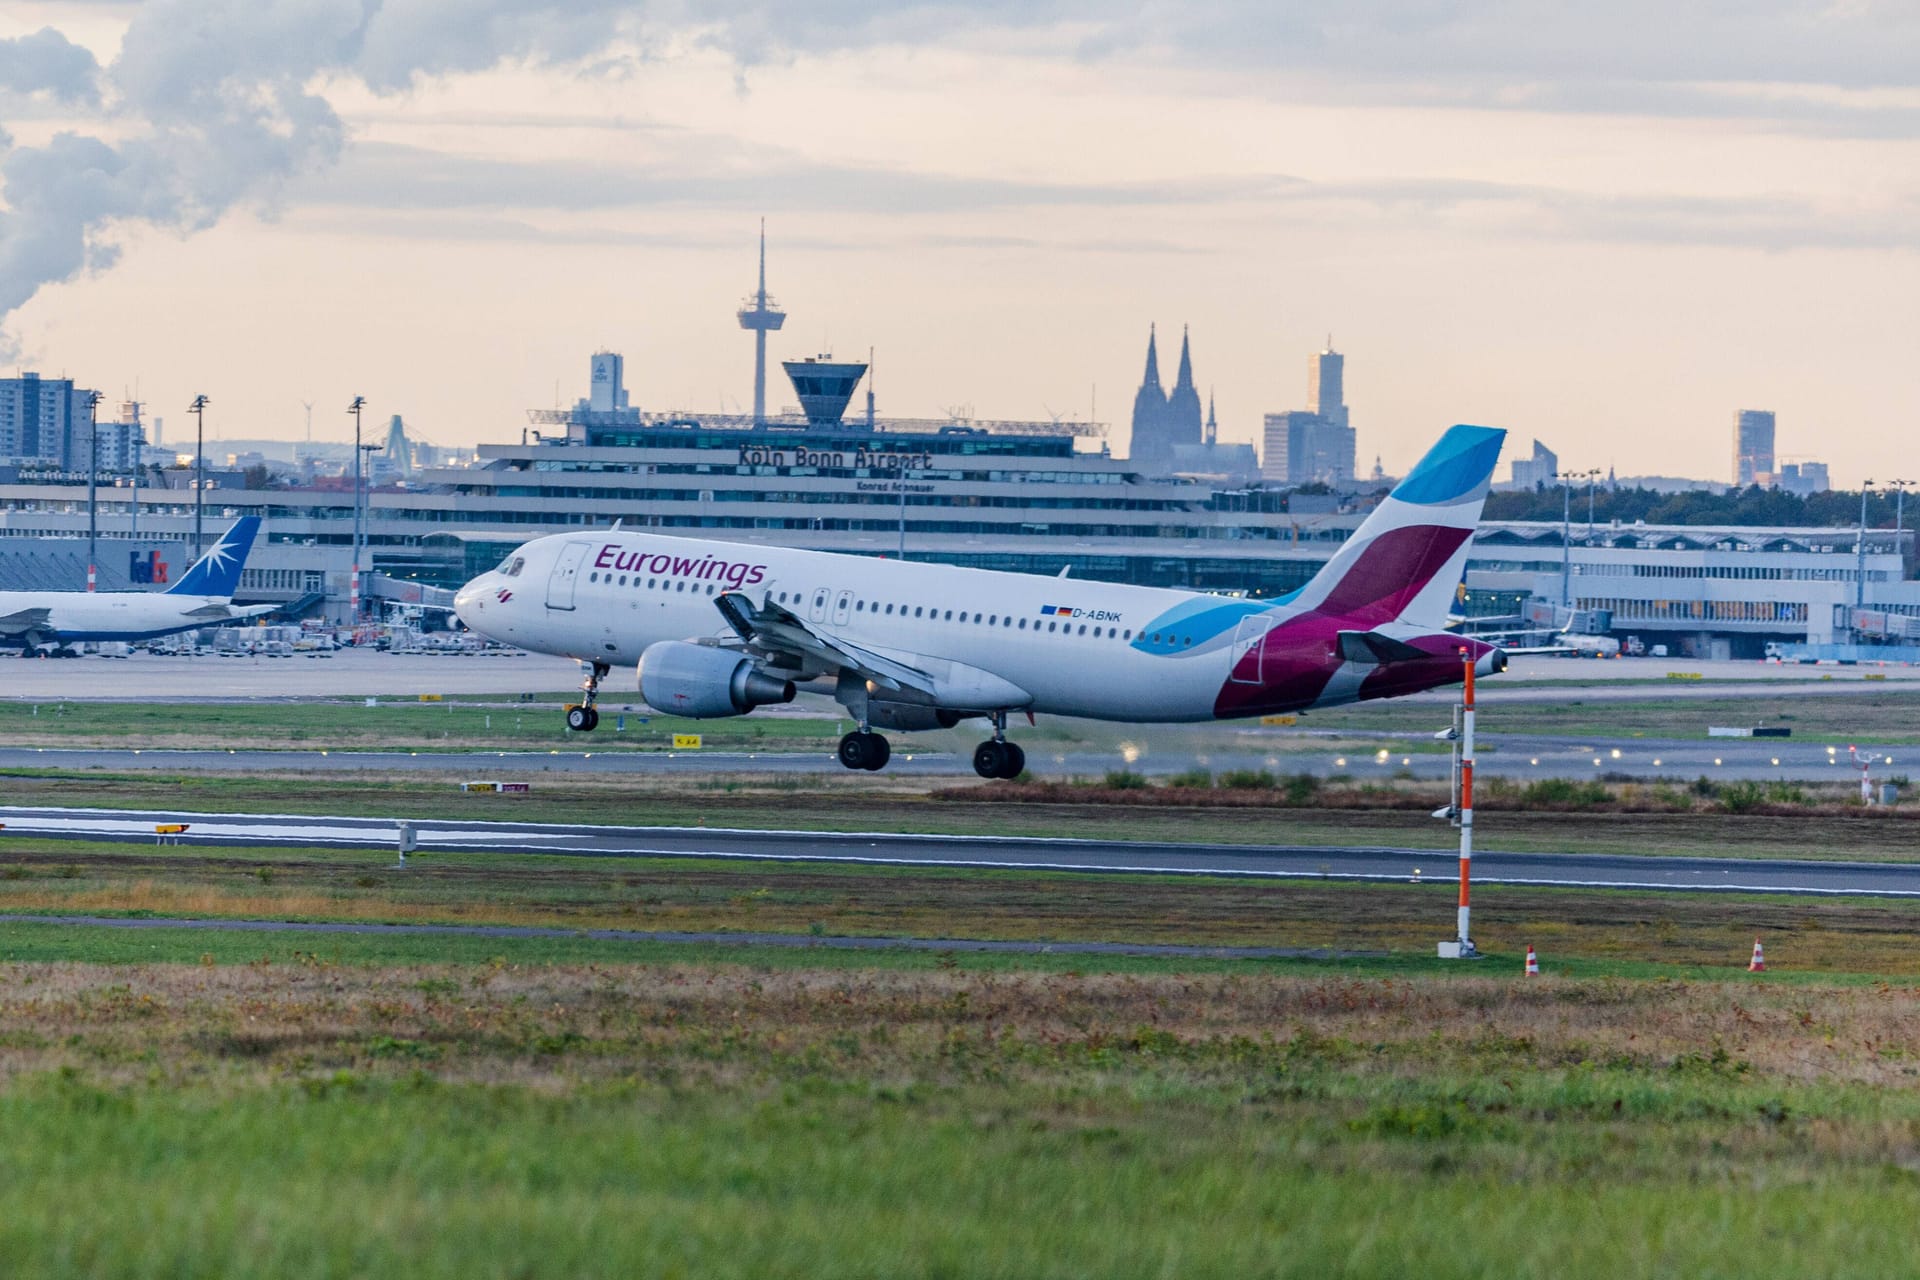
[(1246, 640), (566, 573), (817, 610), (842, 608)]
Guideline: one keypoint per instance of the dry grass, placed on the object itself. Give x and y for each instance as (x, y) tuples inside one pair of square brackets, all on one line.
[(726, 1025)]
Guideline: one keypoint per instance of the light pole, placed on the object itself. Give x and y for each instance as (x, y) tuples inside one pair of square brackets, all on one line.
[(198, 409), (1899, 488), (366, 452), (353, 582), (93, 489), (1860, 551), (1566, 479), (137, 446)]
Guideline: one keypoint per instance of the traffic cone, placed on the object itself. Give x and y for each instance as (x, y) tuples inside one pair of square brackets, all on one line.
[(1533, 964), (1759, 962)]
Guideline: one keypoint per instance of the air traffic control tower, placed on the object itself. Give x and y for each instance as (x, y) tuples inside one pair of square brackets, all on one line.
[(761, 314), (824, 386)]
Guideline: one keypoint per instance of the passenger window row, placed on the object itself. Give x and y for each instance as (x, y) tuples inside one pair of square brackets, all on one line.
[(891, 609)]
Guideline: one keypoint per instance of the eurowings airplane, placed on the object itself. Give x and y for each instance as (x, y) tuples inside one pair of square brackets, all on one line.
[(718, 628), (202, 598)]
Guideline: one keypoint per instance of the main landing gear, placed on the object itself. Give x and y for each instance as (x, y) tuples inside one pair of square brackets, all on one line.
[(865, 749), (996, 757), (582, 717)]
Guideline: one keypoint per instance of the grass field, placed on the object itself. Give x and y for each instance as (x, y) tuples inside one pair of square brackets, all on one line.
[(177, 1101), (700, 1117)]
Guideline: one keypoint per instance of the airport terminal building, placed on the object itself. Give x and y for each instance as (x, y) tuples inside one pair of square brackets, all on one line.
[(1029, 497)]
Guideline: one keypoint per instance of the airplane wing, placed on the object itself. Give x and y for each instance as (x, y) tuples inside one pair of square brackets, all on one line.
[(772, 629), (212, 613), (22, 621)]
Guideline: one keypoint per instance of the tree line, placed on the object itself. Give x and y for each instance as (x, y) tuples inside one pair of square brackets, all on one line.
[(1837, 508)]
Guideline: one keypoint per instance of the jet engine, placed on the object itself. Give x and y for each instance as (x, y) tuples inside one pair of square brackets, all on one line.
[(704, 683)]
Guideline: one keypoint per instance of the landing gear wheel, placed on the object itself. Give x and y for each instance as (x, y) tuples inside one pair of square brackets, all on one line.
[(1016, 760), (989, 758), (584, 718), (867, 751)]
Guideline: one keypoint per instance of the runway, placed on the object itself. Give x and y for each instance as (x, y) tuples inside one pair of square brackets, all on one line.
[(1375, 863), (1517, 756)]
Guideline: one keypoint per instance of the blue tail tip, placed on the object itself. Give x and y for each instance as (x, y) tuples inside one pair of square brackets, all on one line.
[(1459, 463)]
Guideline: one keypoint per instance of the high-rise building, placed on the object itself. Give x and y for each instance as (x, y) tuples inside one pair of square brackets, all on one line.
[(1752, 445), (1317, 444), (43, 420), (607, 391), (1164, 421), (1327, 384), (1540, 469)]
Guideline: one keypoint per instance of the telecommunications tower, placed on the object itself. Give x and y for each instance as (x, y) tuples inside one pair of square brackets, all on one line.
[(761, 314)]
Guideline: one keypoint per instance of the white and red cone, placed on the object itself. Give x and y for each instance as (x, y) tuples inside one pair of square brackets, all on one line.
[(1759, 962), (1533, 964)]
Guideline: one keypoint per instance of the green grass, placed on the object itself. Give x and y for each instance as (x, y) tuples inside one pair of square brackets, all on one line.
[(847, 1181), (391, 723), (725, 1119)]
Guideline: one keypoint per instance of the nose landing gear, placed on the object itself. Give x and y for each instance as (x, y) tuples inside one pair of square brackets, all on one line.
[(582, 717), (998, 758)]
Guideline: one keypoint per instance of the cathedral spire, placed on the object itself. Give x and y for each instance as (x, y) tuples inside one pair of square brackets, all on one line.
[(1185, 378), (1213, 427), (1152, 378)]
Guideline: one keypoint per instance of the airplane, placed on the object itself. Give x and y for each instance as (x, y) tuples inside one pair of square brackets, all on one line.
[(719, 628), (1563, 640), (202, 598)]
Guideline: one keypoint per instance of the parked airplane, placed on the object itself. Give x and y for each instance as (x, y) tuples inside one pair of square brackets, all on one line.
[(202, 598), (719, 628)]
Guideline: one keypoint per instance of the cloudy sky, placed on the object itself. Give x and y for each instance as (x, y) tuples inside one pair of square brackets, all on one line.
[(1606, 226)]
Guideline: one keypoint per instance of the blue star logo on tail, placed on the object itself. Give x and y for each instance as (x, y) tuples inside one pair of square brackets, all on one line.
[(217, 573)]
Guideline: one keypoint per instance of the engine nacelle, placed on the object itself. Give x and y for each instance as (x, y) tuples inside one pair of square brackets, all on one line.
[(704, 683), (911, 717)]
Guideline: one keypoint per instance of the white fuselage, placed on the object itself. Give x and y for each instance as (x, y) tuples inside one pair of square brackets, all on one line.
[(604, 597), (75, 616)]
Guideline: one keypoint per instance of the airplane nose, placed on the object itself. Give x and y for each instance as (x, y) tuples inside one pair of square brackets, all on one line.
[(464, 601)]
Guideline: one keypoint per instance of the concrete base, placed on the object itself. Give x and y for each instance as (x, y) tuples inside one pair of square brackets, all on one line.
[(1459, 951)]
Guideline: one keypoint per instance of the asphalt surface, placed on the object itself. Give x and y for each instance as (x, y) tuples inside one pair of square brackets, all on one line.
[(1380, 863), (1519, 756)]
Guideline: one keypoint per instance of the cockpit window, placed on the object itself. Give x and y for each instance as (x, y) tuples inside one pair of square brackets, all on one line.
[(519, 563)]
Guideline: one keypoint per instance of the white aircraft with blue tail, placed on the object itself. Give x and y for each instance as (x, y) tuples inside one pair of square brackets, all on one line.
[(202, 598)]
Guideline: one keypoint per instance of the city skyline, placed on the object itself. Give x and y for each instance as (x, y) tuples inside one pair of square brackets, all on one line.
[(1610, 255)]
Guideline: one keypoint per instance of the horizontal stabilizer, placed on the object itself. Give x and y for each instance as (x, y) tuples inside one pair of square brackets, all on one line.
[(1375, 649)]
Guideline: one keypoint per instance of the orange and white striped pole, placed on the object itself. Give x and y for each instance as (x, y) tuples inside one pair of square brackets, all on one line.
[(1466, 804)]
